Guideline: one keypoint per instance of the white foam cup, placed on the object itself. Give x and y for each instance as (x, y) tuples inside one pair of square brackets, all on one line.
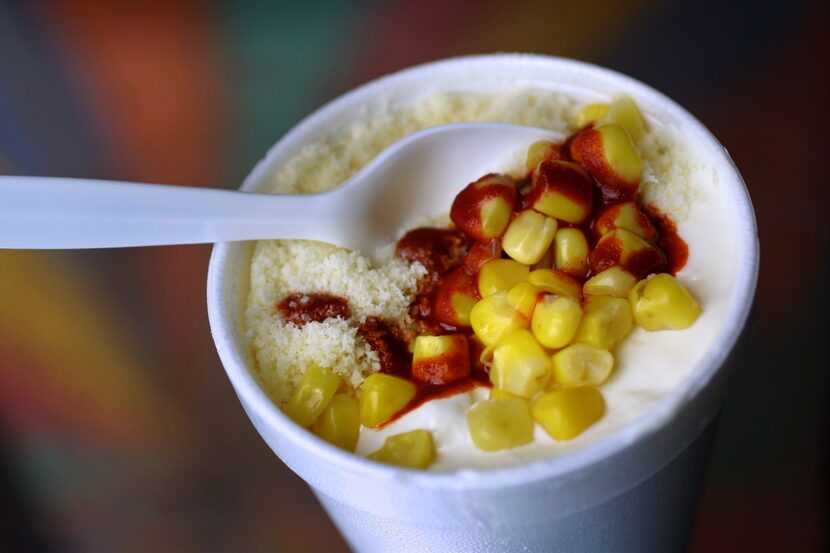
[(635, 489)]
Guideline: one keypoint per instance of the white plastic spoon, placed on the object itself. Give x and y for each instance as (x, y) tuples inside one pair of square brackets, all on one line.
[(415, 178)]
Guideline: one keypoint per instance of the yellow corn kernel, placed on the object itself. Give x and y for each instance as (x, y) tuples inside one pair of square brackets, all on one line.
[(316, 389), (624, 112), (491, 180), (614, 281), (498, 394), (660, 302), (455, 296), (528, 236), (500, 424), (339, 423), (555, 282), (605, 322), (495, 317), (461, 305), (500, 275), (381, 396), (523, 298), (486, 356), (630, 241), (520, 365), (556, 320), (562, 189), (440, 359), (413, 450), (619, 247), (484, 207), (495, 215), (538, 152), (628, 216), (589, 114), (565, 413), (582, 365), (427, 348), (620, 154), (571, 251)]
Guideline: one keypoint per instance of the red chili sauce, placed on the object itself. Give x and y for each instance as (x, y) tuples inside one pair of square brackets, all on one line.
[(301, 309), (390, 345), (675, 248)]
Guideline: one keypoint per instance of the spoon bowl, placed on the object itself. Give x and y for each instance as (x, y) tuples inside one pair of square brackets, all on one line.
[(415, 178)]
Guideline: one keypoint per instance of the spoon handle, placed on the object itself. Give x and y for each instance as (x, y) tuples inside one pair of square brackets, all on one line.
[(61, 213)]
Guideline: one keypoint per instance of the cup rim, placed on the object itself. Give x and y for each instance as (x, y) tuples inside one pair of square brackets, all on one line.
[(221, 315)]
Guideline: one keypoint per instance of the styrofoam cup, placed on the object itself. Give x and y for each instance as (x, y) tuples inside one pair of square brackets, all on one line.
[(633, 490)]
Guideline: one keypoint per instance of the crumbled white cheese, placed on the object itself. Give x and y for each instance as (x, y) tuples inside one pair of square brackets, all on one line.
[(282, 351)]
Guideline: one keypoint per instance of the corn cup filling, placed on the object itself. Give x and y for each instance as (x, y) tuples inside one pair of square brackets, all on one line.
[(529, 292)]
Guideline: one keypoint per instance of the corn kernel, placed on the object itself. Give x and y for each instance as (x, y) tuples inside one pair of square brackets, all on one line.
[(660, 302), (485, 356), (620, 154), (491, 180), (454, 299), (556, 320), (528, 236), (540, 151), (523, 298), (500, 424), (480, 253), (461, 305), (381, 396), (582, 365), (628, 216), (520, 365), (565, 413), (613, 281), (317, 387), (590, 114), (626, 249), (495, 215), (608, 153), (427, 348), (625, 113), (494, 317), (605, 322), (571, 252), (563, 190), (498, 394), (476, 352), (500, 275), (483, 208), (339, 423), (555, 282), (413, 450), (440, 359)]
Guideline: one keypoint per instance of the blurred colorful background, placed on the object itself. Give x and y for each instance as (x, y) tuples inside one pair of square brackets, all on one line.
[(118, 428)]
